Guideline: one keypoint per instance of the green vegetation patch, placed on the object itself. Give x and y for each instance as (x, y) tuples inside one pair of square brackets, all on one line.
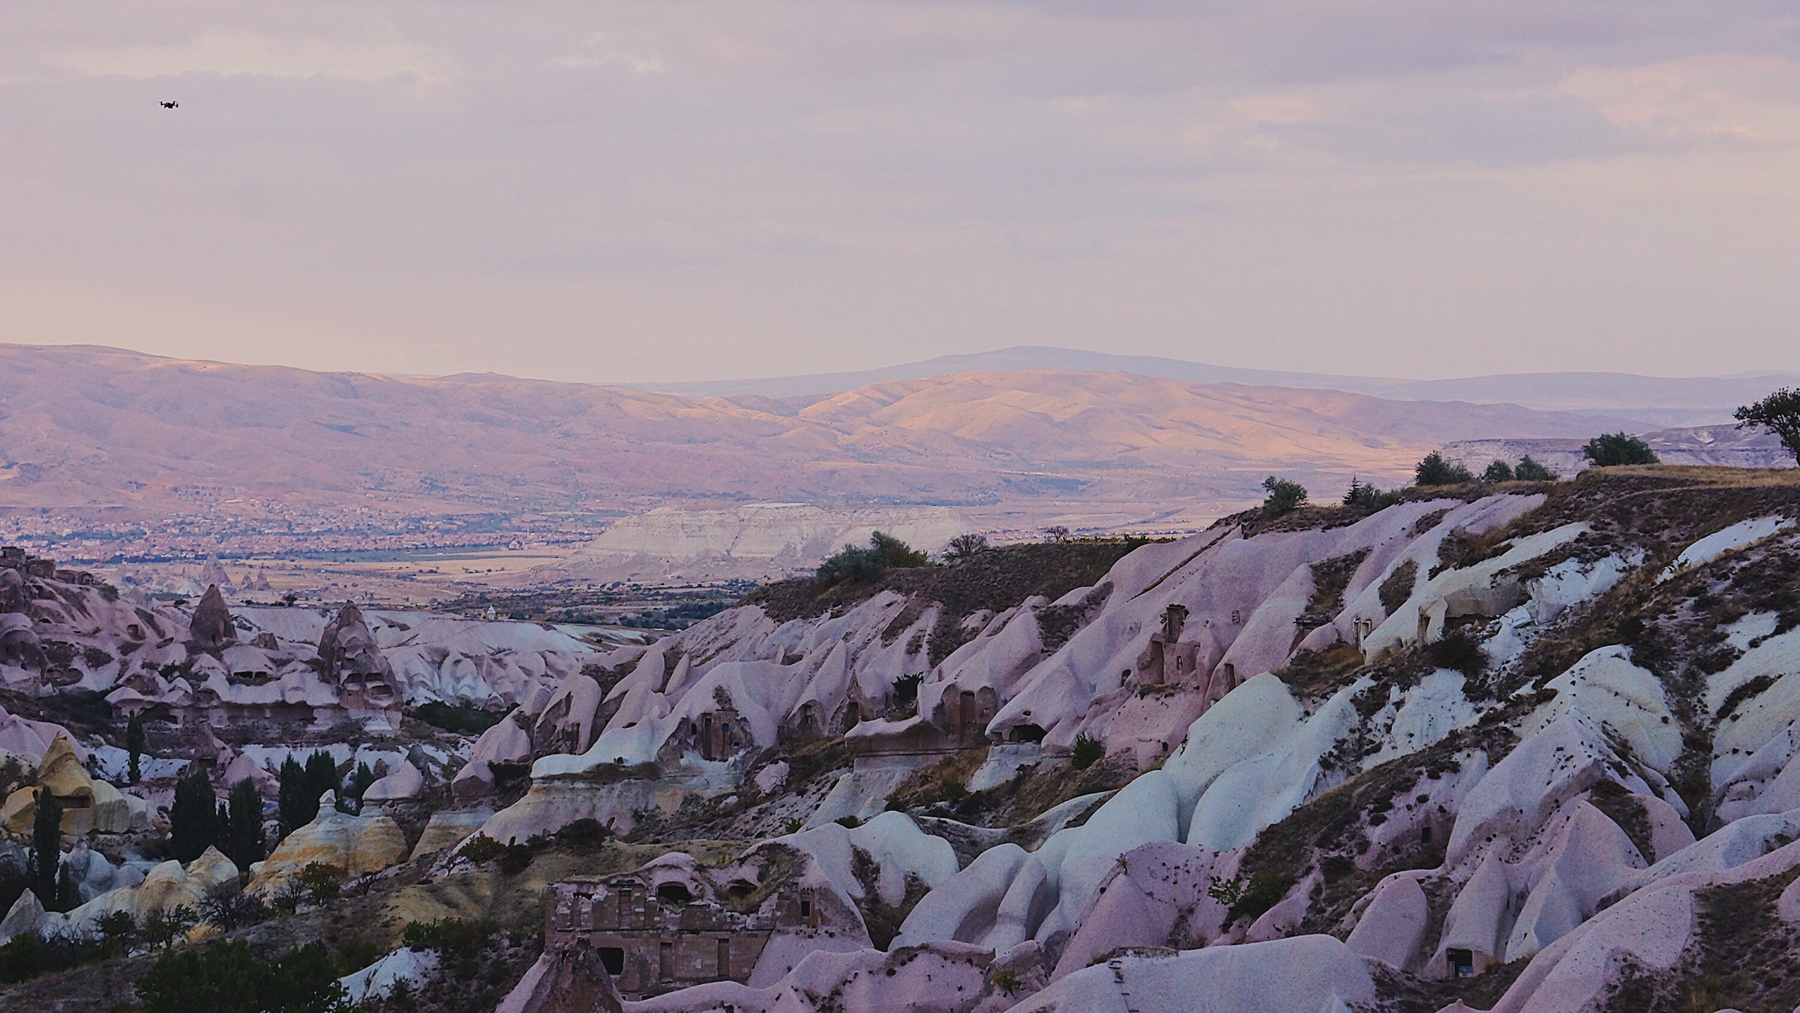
[(1330, 579), (465, 719), (1742, 957), (996, 578)]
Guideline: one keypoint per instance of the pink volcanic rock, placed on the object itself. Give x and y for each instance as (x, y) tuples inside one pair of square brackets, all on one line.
[(1669, 833), (1481, 917), (1282, 919), (963, 910), (936, 978), (244, 767), (211, 627), (1028, 899), (1394, 924), (403, 783), (28, 739), (1652, 926), (1588, 858), (1305, 974), (1156, 897), (566, 724), (505, 742), (1520, 793)]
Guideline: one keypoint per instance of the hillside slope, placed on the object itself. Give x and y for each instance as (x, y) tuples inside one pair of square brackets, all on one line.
[(1507, 740), (1650, 400), (1527, 747)]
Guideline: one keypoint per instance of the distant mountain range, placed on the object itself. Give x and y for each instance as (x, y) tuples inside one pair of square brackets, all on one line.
[(1650, 400), (98, 428)]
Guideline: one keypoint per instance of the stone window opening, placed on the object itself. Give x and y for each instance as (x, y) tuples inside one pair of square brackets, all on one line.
[(613, 959), (1461, 961), (674, 894)]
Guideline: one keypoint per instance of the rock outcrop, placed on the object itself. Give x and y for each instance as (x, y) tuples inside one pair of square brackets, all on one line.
[(353, 845), (211, 628)]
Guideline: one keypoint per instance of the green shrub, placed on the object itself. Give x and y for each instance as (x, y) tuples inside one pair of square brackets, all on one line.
[(119, 930), (896, 553), (482, 849), (1264, 891), (21, 958), (1612, 449), (1007, 981), (861, 566), (851, 565), (321, 882), (1434, 470), (1499, 471), (355, 954), (229, 907), (163, 928), (227, 978), (1087, 752), (459, 942), (951, 791), (586, 832), (1368, 497), (1284, 496), (1459, 651), (465, 718), (1531, 471)]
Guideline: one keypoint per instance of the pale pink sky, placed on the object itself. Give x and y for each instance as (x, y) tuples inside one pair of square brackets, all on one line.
[(691, 190)]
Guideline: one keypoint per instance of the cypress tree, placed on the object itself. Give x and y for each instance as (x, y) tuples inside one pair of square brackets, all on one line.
[(222, 826), (193, 819), (68, 898), (321, 775), (296, 809), (247, 844), (134, 741), (46, 847), (360, 781)]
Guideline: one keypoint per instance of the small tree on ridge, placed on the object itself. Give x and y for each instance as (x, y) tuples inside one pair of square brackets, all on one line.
[(1779, 413)]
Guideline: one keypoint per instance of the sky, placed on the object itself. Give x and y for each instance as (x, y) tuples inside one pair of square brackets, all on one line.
[(685, 190)]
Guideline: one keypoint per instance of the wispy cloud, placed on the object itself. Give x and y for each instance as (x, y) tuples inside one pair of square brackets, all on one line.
[(236, 53), (601, 52)]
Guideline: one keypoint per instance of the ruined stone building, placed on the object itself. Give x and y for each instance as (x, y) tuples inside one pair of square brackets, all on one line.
[(1169, 660), (664, 927)]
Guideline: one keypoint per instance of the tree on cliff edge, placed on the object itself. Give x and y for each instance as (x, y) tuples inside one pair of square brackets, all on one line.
[(1779, 413)]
